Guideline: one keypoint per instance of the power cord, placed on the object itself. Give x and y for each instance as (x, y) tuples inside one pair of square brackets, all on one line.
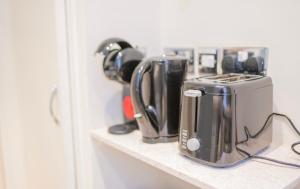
[(293, 146)]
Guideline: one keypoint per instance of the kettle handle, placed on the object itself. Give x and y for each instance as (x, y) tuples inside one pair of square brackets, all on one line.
[(141, 110)]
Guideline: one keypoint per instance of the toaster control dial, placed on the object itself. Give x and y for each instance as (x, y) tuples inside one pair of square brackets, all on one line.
[(193, 144)]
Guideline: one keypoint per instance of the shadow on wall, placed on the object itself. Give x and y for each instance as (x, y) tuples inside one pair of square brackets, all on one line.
[(113, 109), (118, 170), (277, 128), (283, 132)]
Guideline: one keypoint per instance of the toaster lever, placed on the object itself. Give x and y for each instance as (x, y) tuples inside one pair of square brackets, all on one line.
[(193, 93)]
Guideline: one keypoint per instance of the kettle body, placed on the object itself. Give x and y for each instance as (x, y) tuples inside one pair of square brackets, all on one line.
[(155, 92)]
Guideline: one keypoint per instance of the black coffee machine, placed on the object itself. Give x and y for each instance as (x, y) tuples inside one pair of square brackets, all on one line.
[(119, 59)]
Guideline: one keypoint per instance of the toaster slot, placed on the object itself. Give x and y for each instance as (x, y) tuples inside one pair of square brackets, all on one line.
[(190, 107), (214, 127), (196, 114)]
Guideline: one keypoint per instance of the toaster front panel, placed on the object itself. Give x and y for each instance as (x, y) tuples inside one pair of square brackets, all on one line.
[(206, 127)]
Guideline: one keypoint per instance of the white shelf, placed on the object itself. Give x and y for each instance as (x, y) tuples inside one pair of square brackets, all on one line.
[(251, 174)]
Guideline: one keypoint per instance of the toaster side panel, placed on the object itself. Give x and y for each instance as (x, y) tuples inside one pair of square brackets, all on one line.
[(253, 106)]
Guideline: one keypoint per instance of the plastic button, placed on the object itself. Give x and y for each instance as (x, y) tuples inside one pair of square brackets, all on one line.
[(193, 144)]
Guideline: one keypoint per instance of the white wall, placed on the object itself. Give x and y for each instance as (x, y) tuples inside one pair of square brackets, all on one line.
[(271, 23)]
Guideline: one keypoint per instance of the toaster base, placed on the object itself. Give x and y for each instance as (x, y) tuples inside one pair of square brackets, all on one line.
[(221, 165), (160, 139), (215, 164)]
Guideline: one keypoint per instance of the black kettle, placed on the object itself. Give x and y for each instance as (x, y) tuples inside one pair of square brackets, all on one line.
[(155, 92)]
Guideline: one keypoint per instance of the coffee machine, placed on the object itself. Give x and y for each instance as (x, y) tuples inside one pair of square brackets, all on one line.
[(119, 59)]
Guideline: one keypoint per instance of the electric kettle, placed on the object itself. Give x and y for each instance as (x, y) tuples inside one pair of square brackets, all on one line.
[(155, 92)]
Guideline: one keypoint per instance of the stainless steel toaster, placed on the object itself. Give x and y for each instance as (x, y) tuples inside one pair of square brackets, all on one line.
[(219, 113)]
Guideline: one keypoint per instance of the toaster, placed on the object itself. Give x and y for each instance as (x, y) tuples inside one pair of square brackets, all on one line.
[(222, 116)]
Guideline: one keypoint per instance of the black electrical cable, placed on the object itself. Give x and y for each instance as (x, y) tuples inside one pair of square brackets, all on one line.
[(293, 147), (269, 159), (248, 135), (277, 161)]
